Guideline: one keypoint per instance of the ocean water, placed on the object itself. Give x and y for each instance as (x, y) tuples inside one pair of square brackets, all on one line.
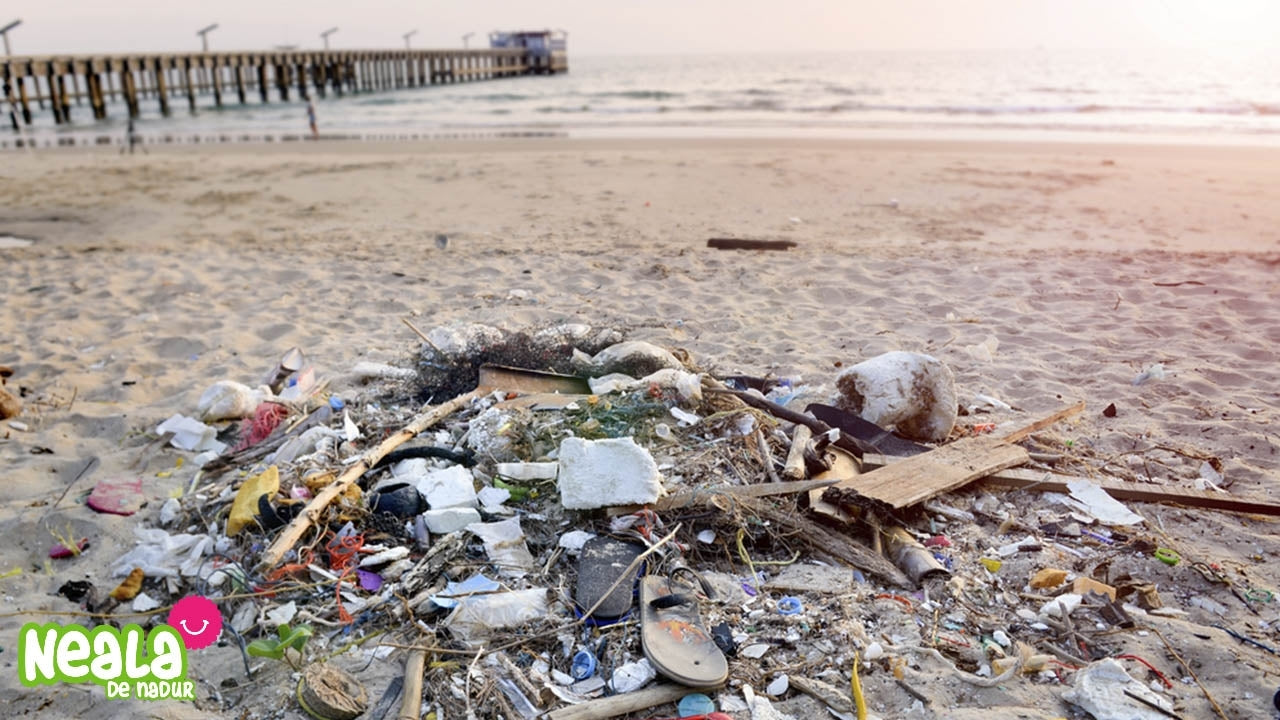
[(1105, 95)]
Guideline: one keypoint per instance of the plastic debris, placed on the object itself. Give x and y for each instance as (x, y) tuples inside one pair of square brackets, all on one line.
[(245, 507), (1097, 503), (1154, 371), (478, 615), (789, 606), (454, 591), (160, 554), (632, 676), (504, 543), (191, 434), (117, 496), (1100, 690), (230, 400)]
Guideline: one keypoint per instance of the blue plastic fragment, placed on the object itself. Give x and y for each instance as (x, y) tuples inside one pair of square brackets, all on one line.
[(336, 403), (695, 704), (788, 605), (584, 665)]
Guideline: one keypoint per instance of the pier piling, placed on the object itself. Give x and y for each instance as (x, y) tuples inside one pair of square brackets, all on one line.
[(128, 78)]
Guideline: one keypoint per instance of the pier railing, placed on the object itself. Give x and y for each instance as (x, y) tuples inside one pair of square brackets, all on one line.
[(65, 82)]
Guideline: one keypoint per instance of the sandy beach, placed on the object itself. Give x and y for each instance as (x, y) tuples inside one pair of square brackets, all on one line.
[(152, 276)]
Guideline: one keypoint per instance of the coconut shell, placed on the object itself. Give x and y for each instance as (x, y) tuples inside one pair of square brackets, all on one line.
[(326, 692)]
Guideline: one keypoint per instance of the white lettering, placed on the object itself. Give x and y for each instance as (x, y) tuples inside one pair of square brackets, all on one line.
[(73, 650), (37, 657)]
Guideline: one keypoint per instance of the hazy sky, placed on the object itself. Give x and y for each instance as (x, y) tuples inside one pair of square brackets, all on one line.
[(653, 26)]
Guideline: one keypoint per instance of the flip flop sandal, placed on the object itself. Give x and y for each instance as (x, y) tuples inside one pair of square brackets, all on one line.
[(672, 635), (601, 563)]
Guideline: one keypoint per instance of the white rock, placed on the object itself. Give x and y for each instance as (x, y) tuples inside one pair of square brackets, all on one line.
[(453, 486), (566, 334), (528, 470), (452, 519), (605, 473), (915, 393)]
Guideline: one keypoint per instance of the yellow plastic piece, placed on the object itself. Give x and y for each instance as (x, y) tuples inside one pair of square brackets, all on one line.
[(245, 506)]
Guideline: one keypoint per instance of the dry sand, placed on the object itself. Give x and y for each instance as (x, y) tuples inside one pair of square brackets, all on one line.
[(153, 276)]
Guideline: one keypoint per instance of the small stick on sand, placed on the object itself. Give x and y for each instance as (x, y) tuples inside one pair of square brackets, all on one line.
[(422, 335), (411, 702), (311, 513), (766, 455), (1217, 708)]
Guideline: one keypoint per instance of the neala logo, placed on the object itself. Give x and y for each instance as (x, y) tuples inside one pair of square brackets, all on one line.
[(127, 662)]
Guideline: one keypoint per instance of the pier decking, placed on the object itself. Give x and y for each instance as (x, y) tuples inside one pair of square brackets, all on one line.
[(64, 84)]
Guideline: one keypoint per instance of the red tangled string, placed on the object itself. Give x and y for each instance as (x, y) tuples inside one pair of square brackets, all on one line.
[(344, 557), (265, 420)]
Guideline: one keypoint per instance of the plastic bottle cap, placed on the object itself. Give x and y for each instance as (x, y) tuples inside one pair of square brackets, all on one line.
[(584, 665)]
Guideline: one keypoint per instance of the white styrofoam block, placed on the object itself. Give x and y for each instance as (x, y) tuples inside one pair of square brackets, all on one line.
[(915, 393), (528, 470), (447, 520), (604, 473)]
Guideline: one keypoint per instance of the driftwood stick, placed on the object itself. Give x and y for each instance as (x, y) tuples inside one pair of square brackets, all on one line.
[(794, 469), (824, 541), (766, 455), (616, 705), (411, 701), (311, 513)]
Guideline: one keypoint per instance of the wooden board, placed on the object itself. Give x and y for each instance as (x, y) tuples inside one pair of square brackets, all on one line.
[(748, 244), (1043, 481), (920, 477), (521, 380)]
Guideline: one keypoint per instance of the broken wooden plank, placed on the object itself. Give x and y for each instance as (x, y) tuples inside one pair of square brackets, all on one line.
[(703, 496), (524, 381), (1133, 492), (1044, 481), (693, 497), (746, 244), (920, 477)]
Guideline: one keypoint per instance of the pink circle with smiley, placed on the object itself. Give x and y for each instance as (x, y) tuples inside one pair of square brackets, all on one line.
[(197, 620)]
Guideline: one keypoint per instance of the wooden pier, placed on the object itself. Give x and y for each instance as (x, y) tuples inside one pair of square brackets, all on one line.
[(65, 84)]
